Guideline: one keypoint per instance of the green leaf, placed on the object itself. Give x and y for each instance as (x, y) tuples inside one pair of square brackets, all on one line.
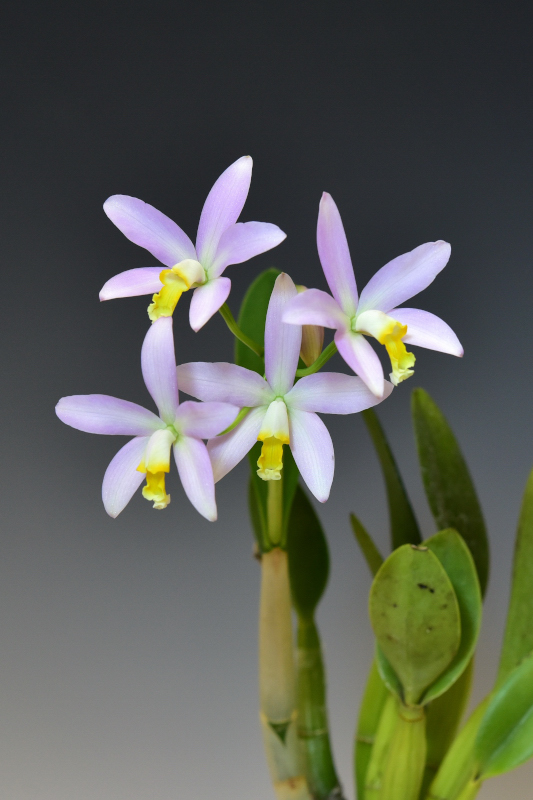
[(252, 316), (442, 721), (505, 736), (308, 556), (373, 557), (518, 638), (457, 560), (458, 767), (404, 527), (449, 488), (415, 617), (372, 705)]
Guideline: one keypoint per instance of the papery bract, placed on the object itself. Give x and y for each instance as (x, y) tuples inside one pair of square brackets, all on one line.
[(281, 412), (181, 427), (375, 312), (220, 241)]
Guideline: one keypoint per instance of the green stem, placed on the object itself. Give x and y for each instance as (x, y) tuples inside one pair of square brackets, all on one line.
[(275, 511), (380, 749), (229, 319), (372, 705), (322, 359), (402, 777), (313, 726)]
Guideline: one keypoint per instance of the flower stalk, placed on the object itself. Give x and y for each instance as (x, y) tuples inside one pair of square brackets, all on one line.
[(229, 319), (323, 358)]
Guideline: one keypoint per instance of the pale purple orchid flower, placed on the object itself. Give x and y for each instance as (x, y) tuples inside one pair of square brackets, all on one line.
[(181, 427), (220, 241), (375, 313), (281, 412)]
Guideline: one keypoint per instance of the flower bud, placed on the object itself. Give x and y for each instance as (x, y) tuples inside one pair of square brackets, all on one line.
[(312, 339)]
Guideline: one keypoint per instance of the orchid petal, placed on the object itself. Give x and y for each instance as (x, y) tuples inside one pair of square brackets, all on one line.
[(158, 362), (361, 357), (222, 207), (144, 225), (312, 449), (427, 330), (404, 276), (204, 420), (226, 451), (335, 255), (122, 479), (196, 473), (314, 307), (282, 341), (333, 393), (100, 413), (206, 301), (132, 283), (243, 241), (227, 383)]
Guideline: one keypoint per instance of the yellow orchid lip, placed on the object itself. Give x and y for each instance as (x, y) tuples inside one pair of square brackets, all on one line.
[(390, 333), (155, 464), (274, 434), (176, 280), (270, 462), (155, 490)]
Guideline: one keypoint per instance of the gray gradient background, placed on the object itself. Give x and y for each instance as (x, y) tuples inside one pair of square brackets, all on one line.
[(128, 646)]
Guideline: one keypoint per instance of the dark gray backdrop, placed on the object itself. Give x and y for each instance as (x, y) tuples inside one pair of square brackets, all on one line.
[(128, 646)]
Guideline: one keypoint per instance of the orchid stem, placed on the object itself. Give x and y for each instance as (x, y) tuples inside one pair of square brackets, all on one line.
[(277, 679), (313, 726), (229, 319), (322, 359), (275, 511)]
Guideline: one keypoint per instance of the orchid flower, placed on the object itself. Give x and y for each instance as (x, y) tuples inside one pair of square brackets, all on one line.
[(375, 313), (148, 455), (220, 241), (280, 412)]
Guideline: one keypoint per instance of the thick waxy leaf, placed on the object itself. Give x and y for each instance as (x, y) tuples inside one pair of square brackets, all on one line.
[(443, 717), (505, 736), (458, 767), (518, 639), (457, 560), (449, 488), (415, 617), (373, 557), (404, 527), (252, 316), (308, 556)]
